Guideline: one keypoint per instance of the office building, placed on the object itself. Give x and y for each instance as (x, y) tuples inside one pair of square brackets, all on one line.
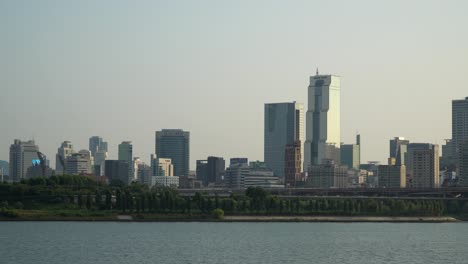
[(63, 152), (5, 166), (165, 181), (23, 154), (161, 166), (238, 161), (97, 144), (392, 175), (144, 173), (202, 171), (463, 164), (283, 126), (459, 121), (79, 163), (328, 175), (322, 121), (117, 170), (422, 165), (126, 154), (398, 150), (292, 164), (174, 144), (242, 175), (351, 154)]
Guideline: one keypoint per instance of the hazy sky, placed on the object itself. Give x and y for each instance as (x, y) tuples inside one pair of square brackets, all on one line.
[(124, 69)]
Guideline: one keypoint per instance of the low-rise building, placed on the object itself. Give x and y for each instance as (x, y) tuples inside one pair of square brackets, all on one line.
[(165, 181)]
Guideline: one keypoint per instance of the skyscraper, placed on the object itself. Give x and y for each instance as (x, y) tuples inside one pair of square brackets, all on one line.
[(79, 163), (293, 164), (322, 121), (63, 152), (351, 154), (423, 165), (175, 145), (284, 125), (215, 169), (126, 154), (23, 154), (97, 144), (161, 167), (459, 135), (398, 149), (117, 170), (98, 148)]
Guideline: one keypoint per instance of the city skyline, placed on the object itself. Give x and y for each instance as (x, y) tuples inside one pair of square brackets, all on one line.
[(387, 84)]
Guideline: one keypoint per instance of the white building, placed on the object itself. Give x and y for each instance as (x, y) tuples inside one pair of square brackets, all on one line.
[(63, 152), (165, 181), (161, 166), (244, 176), (322, 121), (79, 163)]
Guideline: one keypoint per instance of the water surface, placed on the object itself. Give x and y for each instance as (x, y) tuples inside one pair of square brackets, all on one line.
[(116, 243)]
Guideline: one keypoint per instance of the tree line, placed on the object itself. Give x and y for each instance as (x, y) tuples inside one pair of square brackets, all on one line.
[(86, 193)]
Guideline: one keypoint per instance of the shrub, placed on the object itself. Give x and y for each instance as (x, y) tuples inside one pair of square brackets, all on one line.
[(218, 213)]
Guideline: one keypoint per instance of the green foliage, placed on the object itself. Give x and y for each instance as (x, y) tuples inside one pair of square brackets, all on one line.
[(218, 214)]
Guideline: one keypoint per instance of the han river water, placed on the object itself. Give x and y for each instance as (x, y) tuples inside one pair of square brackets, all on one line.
[(118, 243)]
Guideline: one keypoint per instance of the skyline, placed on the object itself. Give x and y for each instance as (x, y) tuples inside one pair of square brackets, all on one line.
[(120, 68)]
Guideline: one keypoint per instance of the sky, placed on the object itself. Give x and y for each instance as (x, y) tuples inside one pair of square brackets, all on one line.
[(122, 70)]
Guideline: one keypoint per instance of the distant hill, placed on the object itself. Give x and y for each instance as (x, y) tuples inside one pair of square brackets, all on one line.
[(5, 166)]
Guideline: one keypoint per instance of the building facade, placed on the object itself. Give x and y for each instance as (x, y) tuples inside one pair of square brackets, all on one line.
[(422, 165), (283, 126), (351, 154), (126, 154), (328, 175), (117, 170), (398, 150), (23, 154), (459, 135), (242, 175), (174, 144), (63, 152), (392, 176), (79, 163), (293, 164), (165, 181), (322, 121)]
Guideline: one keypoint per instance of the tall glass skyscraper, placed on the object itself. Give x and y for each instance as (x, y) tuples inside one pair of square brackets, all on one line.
[(323, 121), (174, 144), (460, 138), (284, 125)]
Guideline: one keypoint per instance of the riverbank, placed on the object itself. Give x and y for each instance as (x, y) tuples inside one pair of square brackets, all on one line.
[(115, 217)]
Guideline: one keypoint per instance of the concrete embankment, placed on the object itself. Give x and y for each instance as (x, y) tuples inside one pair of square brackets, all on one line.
[(377, 219)]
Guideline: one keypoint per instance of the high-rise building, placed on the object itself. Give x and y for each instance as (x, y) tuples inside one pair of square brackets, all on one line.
[(351, 154), (117, 170), (284, 125), (215, 169), (98, 148), (202, 171), (242, 175), (422, 165), (293, 164), (398, 149), (63, 152), (97, 144), (328, 175), (463, 163), (79, 163), (174, 144), (126, 154), (237, 161), (161, 167), (23, 154), (322, 121), (391, 175), (144, 173), (459, 134)]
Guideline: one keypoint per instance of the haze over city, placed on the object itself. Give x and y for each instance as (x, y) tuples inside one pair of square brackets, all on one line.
[(70, 71)]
